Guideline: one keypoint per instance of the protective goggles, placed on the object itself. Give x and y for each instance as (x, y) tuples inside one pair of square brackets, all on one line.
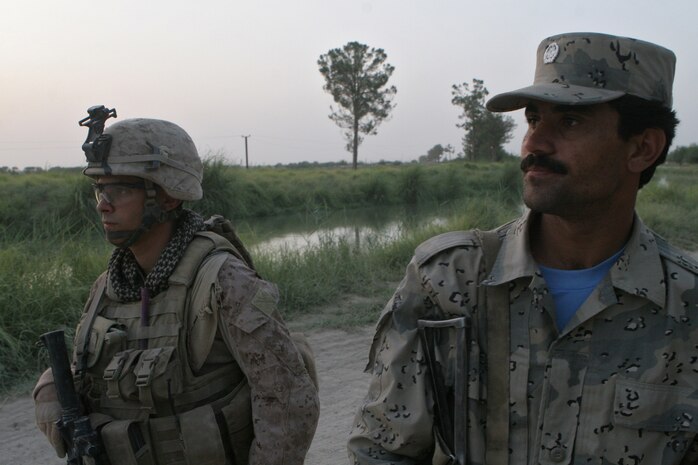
[(116, 193)]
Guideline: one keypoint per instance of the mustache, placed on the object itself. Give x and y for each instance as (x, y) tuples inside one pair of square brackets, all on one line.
[(542, 161)]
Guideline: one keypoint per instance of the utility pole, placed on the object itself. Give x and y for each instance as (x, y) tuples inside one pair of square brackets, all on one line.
[(247, 164)]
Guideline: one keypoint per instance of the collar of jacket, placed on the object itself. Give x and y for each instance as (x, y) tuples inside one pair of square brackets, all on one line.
[(638, 271)]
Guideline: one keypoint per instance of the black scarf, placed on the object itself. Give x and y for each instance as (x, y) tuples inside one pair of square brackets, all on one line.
[(126, 277)]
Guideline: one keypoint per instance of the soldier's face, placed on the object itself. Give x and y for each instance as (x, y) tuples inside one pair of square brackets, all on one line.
[(120, 205), (573, 159)]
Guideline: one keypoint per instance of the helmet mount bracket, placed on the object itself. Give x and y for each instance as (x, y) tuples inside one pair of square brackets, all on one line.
[(97, 144)]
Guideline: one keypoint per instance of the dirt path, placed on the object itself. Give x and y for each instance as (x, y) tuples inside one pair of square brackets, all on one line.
[(340, 358)]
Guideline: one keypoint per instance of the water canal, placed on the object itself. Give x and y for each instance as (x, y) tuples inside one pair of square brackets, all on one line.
[(356, 226)]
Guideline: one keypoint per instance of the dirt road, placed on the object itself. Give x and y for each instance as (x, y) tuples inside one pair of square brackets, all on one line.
[(340, 358)]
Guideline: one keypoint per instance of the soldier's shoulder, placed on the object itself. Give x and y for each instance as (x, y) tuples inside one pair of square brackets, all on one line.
[(469, 241), (444, 243), (234, 271), (676, 256)]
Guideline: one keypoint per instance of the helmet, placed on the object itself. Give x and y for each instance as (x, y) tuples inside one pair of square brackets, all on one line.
[(155, 150)]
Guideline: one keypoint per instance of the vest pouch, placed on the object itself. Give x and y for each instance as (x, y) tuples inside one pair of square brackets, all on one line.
[(106, 338), (238, 419), (202, 437), (156, 375), (127, 443), (191, 438), (119, 375), (148, 376)]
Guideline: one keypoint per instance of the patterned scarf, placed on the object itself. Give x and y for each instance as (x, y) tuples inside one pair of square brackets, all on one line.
[(126, 277)]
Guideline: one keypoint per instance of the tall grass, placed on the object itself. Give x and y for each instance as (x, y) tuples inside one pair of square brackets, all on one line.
[(62, 200), (51, 250), (668, 204), (43, 286)]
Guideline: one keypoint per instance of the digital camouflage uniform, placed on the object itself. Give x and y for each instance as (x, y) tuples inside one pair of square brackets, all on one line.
[(619, 384), (285, 403), (189, 361), (250, 334)]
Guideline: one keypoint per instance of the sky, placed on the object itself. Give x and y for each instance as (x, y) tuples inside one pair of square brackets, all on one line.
[(224, 69)]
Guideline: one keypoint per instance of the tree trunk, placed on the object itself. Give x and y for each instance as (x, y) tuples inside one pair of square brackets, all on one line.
[(355, 145)]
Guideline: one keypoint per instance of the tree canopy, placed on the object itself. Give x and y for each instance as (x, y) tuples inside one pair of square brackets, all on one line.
[(684, 154), (485, 132), (357, 78), (435, 153)]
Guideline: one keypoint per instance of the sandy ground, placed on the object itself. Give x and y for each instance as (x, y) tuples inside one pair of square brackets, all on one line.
[(340, 357)]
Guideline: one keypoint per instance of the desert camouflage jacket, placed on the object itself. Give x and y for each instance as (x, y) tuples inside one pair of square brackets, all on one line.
[(285, 403), (618, 385), (251, 333)]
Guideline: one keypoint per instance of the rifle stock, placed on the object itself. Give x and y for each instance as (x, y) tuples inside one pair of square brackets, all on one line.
[(76, 430)]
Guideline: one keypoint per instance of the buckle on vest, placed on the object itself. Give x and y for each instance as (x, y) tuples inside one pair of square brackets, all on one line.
[(116, 365), (144, 371)]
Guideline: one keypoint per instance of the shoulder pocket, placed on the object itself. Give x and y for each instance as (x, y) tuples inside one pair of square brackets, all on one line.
[(655, 407), (264, 304)]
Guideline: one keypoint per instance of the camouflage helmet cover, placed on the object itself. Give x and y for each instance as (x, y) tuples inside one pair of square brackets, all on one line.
[(153, 149)]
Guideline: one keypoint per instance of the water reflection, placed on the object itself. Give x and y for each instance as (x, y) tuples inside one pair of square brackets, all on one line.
[(300, 231)]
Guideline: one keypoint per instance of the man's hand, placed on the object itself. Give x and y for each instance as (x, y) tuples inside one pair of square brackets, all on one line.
[(48, 411)]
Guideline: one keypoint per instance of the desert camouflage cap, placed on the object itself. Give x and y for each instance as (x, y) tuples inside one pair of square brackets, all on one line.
[(153, 149), (584, 68)]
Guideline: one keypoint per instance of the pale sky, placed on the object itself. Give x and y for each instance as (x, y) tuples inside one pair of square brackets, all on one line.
[(223, 69)]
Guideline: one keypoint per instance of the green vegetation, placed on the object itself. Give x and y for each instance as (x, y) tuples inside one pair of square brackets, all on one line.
[(46, 204), (668, 204), (357, 78), (684, 154), (486, 132), (51, 248)]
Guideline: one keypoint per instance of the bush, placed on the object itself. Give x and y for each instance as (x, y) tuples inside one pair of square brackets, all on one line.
[(684, 154)]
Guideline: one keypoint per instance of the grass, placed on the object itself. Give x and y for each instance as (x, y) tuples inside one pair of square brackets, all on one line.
[(51, 250), (43, 287), (667, 204), (61, 201)]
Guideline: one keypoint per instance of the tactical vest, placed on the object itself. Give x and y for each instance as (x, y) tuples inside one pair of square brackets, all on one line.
[(153, 405)]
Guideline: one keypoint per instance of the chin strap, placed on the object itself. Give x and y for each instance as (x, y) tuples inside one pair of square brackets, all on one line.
[(152, 214)]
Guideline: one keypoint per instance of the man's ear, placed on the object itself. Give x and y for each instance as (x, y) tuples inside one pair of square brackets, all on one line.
[(647, 147)]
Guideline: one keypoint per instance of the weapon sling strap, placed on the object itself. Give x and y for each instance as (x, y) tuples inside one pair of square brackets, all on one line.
[(497, 435)]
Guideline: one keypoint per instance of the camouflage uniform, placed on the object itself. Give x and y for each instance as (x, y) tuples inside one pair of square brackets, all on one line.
[(619, 384), (191, 361), (252, 335), (285, 404)]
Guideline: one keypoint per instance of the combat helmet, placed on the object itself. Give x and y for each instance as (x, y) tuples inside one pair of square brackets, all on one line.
[(158, 151)]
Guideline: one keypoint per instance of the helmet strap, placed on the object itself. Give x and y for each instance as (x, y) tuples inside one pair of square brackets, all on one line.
[(152, 215)]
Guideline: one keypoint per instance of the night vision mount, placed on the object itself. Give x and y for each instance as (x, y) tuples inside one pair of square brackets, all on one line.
[(97, 144)]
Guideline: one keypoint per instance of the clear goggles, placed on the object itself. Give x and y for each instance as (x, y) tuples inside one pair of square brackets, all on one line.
[(116, 193)]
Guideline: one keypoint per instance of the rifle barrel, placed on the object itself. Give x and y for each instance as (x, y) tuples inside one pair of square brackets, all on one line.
[(62, 375)]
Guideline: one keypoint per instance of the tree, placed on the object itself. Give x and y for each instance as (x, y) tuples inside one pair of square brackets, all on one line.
[(684, 154), (357, 79), (435, 153), (485, 132)]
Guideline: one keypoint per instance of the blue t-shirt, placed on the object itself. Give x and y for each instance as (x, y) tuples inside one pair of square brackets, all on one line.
[(570, 288)]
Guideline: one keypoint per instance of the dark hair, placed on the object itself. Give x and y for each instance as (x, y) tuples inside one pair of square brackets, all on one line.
[(638, 114)]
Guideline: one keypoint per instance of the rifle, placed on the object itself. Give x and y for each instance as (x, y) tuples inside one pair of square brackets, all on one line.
[(453, 430), (76, 430)]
